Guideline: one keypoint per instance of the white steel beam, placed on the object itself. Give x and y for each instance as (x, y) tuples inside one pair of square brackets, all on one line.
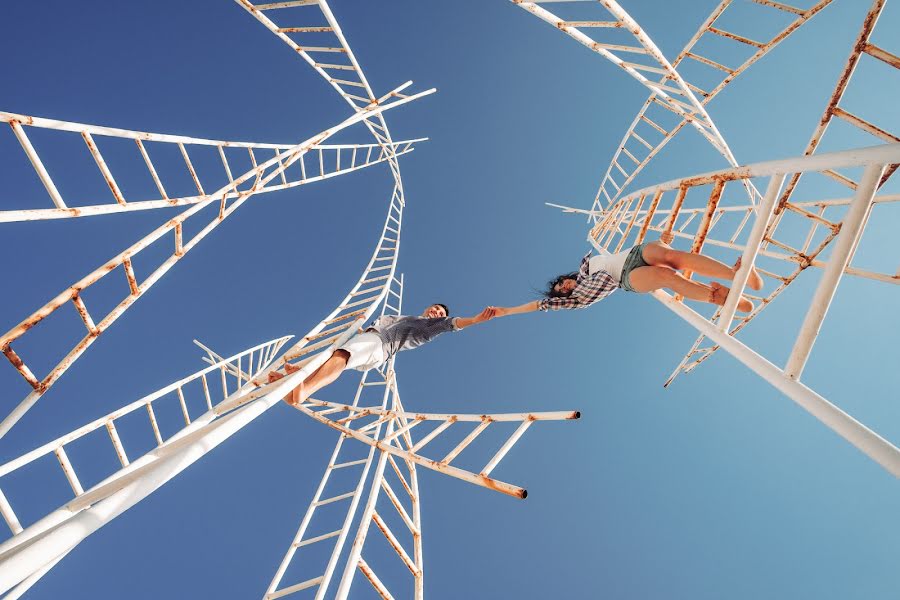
[(847, 240)]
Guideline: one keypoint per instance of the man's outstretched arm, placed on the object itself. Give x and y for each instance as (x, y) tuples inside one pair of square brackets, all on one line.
[(486, 315), (517, 310)]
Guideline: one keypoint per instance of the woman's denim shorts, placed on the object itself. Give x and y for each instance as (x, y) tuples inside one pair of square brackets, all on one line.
[(634, 261)]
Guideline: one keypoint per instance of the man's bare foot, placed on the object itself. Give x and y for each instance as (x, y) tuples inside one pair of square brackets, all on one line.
[(291, 368), (718, 293), (274, 376), (754, 281)]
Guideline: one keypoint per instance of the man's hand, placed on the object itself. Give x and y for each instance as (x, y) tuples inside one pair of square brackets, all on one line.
[(487, 314)]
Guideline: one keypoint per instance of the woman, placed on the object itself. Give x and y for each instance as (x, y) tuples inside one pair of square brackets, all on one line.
[(644, 268)]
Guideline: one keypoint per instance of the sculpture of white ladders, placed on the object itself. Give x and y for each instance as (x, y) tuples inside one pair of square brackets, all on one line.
[(228, 198), (875, 161), (33, 550), (722, 225), (647, 124), (397, 448), (712, 219), (677, 98)]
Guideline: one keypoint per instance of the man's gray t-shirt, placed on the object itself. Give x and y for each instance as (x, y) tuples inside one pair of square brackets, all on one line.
[(403, 333)]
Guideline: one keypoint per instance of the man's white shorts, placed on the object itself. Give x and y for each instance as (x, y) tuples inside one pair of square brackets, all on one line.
[(366, 351)]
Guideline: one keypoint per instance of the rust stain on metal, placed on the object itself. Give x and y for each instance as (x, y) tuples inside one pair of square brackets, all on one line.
[(20, 366)]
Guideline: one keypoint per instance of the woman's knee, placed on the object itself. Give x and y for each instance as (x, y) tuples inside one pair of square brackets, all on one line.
[(658, 253), (647, 279)]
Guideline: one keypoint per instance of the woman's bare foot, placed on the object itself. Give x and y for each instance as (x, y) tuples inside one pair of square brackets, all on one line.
[(718, 293), (754, 281)]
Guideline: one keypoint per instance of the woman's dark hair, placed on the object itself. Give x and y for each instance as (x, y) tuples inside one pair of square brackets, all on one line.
[(551, 285), (444, 306)]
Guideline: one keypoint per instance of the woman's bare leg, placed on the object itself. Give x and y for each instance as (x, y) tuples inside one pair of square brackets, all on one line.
[(659, 254), (647, 279), (324, 375)]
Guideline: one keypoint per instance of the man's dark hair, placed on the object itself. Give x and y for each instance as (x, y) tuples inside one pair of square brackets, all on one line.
[(444, 306), (551, 285)]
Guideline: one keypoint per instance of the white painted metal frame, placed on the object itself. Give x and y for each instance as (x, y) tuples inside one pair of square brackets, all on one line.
[(261, 175), (342, 71), (62, 530), (645, 125), (677, 98), (58, 533), (329, 160), (847, 234), (201, 384), (371, 383), (817, 215), (410, 514), (443, 465)]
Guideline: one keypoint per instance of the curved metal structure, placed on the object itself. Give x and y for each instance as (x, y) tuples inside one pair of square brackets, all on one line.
[(821, 220), (256, 178), (671, 93), (645, 125), (34, 549), (702, 194)]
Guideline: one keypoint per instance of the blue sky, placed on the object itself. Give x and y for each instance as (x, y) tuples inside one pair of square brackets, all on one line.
[(718, 486)]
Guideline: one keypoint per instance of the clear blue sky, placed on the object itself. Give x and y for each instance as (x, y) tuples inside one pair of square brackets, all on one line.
[(717, 487)]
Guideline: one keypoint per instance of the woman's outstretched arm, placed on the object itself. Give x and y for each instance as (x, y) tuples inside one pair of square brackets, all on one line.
[(517, 310)]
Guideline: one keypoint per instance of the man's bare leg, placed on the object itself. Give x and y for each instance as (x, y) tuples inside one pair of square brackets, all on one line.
[(330, 370), (648, 279)]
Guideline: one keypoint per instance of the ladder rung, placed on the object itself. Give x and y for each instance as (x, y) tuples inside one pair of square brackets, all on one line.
[(641, 140), (21, 367), (320, 49), (640, 67), (360, 292), (333, 66), (317, 539), (295, 588), (840, 178), (355, 313), (345, 82), (335, 498), (736, 37), (350, 463), (304, 29), (327, 332), (710, 62), (882, 55), (630, 155), (780, 6), (864, 125), (666, 88), (592, 23), (286, 4), (654, 125), (620, 48), (9, 515)]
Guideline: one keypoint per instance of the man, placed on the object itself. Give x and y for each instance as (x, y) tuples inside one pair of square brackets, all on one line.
[(380, 341)]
